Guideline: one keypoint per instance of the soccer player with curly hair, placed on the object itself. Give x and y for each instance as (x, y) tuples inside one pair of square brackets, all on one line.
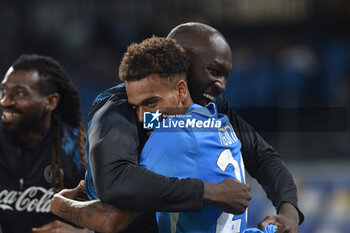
[(132, 187)]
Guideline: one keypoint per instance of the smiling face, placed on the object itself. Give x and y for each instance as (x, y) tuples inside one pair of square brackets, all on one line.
[(211, 60), (22, 105), (210, 67), (154, 93)]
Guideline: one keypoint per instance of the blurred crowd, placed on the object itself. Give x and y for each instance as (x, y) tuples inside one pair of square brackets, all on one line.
[(286, 54), (294, 54)]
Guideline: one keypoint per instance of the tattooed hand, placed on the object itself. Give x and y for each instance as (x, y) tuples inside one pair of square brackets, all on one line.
[(58, 226), (93, 214)]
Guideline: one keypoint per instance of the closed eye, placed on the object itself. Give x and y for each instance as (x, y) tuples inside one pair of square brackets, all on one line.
[(150, 102)]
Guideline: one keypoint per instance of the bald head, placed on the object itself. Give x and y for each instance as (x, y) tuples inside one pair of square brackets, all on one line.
[(189, 34), (211, 59)]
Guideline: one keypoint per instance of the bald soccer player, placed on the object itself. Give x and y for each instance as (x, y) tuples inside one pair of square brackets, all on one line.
[(210, 65)]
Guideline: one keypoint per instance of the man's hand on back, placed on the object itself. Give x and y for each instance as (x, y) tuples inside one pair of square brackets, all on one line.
[(229, 195)]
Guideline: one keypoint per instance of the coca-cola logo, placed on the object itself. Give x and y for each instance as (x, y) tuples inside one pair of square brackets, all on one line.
[(33, 199)]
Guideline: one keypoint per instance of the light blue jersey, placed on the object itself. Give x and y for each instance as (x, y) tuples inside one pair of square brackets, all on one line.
[(207, 153)]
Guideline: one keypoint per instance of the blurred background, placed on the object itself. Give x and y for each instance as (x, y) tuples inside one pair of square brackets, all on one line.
[(290, 77)]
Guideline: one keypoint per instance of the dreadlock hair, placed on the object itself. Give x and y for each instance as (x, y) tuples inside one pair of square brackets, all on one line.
[(53, 79), (154, 55)]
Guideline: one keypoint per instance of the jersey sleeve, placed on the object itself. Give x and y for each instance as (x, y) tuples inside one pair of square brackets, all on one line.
[(262, 161), (113, 153)]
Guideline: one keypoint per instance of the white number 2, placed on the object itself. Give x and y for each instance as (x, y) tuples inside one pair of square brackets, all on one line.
[(225, 222), (225, 159)]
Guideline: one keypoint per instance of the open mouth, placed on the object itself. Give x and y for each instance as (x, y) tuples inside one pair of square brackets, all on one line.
[(209, 97), (8, 116)]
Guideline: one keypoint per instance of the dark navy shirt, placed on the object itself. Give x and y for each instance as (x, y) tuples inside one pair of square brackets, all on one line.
[(25, 179), (115, 140)]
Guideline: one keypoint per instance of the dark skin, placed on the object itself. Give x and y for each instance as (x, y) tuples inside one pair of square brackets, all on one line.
[(93, 214), (211, 61), (211, 65), (26, 115), (147, 94), (103, 217), (150, 94), (178, 100)]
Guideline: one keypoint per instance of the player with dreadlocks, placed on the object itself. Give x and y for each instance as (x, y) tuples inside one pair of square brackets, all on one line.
[(41, 143)]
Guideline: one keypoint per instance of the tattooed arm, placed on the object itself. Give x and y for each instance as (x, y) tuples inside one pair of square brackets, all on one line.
[(93, 214)]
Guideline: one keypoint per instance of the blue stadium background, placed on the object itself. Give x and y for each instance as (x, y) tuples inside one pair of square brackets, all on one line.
[(286, 55)]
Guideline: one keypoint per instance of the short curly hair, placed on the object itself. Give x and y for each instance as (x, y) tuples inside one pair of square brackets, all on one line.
[(154, 55)]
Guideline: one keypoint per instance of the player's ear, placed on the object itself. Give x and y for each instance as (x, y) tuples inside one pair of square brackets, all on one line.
[(182, 90), (52, 101)]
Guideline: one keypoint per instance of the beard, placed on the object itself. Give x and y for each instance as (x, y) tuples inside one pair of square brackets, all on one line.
[(24, 124)]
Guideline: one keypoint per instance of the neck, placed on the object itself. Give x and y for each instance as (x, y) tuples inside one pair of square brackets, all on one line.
[(31, 137), (187, 103)]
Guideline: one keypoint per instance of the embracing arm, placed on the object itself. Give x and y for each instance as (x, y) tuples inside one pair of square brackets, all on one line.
[(103, 217), (113, 153), (113, 139), (95, 215)]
